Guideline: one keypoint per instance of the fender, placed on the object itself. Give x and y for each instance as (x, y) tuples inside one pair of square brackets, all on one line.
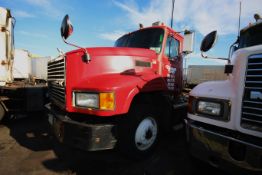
[(125, 87)]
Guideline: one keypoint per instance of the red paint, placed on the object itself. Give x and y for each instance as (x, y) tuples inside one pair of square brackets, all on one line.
[(106, 73)]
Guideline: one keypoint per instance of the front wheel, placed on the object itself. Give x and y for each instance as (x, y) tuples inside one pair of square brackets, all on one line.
[(139, 131), (146, 133)]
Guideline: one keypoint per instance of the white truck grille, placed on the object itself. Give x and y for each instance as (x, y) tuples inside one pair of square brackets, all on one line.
[(56, 81), (252, 100)]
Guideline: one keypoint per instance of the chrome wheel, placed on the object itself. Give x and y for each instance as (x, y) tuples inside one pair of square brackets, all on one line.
[(146, 133)]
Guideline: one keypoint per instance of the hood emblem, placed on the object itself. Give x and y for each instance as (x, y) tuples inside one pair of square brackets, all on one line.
[(256, 95), (59, 83)]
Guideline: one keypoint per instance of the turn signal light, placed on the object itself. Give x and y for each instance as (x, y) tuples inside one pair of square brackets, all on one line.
[(107, 101)]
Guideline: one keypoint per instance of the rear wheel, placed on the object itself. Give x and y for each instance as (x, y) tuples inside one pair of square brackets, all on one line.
[(139, 131), (2, 112)]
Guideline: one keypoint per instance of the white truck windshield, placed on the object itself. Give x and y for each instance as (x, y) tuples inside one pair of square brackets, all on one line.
[(251, 36)]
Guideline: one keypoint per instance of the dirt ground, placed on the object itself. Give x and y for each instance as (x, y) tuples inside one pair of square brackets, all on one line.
[(26, 147)]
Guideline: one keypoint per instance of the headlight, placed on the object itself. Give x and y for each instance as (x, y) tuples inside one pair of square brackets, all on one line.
[(87, 100), (102, 101), (209, 108), (218, 109)]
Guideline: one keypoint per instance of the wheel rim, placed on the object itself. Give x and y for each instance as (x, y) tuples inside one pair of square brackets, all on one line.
[(146, 133)]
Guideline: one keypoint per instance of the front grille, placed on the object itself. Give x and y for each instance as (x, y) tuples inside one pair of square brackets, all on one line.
[(56, 81), (252, 99)]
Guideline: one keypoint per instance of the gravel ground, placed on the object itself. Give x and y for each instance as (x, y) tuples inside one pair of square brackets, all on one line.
[(26, 147)]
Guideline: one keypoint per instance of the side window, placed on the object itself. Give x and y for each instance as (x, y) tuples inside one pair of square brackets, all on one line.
[(172, 48)]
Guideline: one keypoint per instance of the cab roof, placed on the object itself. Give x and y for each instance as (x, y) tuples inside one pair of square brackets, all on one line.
[(161, 26), (259, 22)]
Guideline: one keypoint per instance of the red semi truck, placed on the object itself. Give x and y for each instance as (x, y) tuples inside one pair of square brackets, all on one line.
[(120, 96)]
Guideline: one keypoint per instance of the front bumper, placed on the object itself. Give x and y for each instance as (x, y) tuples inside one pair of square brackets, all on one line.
[(89, 137), (224, 150)]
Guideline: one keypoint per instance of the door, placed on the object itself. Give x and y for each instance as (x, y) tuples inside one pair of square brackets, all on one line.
[(172, 64)]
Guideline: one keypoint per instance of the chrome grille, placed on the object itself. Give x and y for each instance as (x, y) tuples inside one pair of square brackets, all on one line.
[(252, 99), (56, 81)]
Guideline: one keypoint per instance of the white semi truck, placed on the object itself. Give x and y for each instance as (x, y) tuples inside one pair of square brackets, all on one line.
[(224, 124), (20, 90)]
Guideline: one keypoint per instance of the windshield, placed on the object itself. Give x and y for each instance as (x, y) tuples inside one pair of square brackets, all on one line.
[(251, 37), (148, 39)]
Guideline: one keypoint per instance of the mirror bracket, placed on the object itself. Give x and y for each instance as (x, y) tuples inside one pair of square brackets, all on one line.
[(208, 57), (86, 57), (66, 30)]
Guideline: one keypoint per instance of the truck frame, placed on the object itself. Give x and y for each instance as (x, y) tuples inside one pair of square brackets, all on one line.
[(17, 94), (121, 96)]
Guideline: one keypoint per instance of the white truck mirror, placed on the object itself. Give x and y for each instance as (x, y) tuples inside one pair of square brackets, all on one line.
[(209, 41), (188, 46)]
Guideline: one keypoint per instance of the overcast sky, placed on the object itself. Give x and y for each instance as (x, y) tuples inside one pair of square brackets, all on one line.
[(100, 22)]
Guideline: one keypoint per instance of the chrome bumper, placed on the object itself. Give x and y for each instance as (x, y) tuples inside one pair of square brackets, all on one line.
[(223, 151)]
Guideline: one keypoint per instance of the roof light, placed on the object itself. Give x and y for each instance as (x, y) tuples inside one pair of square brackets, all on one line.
[(141, 26), (156, 23)]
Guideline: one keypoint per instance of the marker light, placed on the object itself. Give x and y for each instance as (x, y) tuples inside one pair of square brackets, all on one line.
[(107, 101)]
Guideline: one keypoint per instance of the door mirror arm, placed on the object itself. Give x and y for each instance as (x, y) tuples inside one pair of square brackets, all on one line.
[(66, 30), (207, 43)]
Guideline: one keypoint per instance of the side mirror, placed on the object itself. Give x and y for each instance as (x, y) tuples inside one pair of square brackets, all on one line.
[(209, 41), (66, 28), (188, 46)]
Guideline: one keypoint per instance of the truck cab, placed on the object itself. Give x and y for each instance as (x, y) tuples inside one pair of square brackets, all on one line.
[(116, 94), (224, 117)]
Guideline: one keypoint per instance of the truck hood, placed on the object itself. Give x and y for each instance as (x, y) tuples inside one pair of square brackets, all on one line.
[(110, 70), (107, 61), (118, 51)]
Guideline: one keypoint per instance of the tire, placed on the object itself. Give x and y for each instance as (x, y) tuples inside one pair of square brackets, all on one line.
[(2, 112), (139, 131)]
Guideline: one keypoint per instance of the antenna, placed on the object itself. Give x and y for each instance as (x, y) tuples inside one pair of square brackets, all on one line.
[(239, 17), (172, 14), (173, 4)]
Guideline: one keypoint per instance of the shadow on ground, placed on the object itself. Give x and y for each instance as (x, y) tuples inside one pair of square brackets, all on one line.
[(31, 132), (170, 158)]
